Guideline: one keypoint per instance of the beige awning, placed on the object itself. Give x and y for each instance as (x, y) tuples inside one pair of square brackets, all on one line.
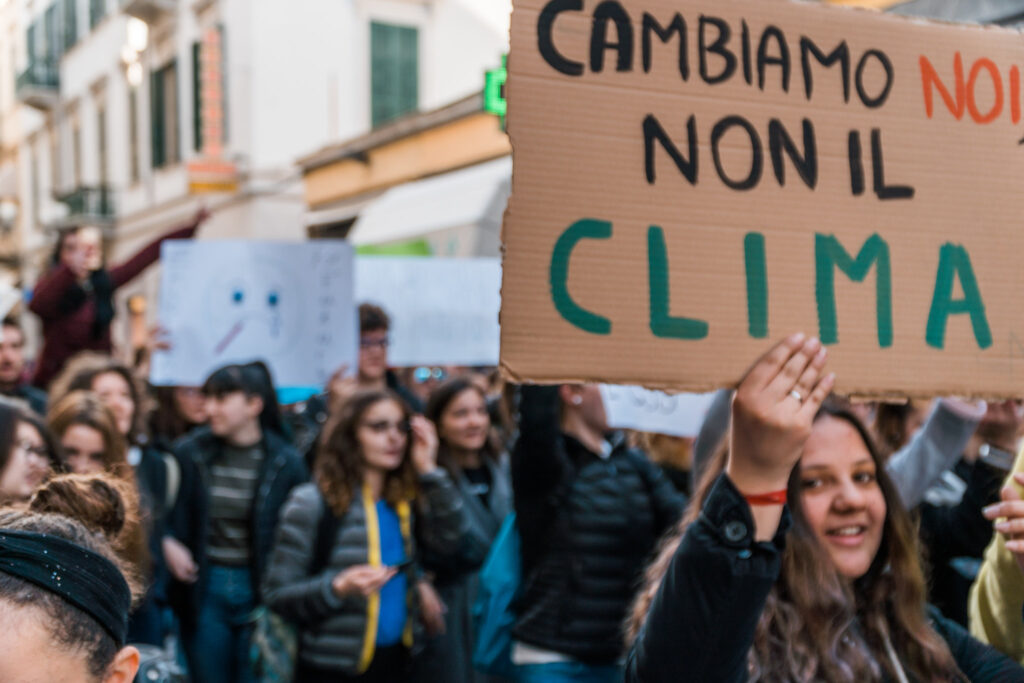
[(472, 197)]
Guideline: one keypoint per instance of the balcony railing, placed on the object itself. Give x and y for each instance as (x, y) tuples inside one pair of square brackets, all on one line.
[(89, 205), (38, 85), (149, 10)]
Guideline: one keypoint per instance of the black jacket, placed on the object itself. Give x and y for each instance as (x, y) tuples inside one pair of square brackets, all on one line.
[(958, 531), (152, 475), (588, 526), (701, 624), (282, 470), (35, 398)]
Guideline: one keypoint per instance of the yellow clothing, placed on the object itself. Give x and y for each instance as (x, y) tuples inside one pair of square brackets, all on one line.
[(997, 597)]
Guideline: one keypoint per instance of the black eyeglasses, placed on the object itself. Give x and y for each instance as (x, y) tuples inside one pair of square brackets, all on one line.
[(383, 426), (372, 343)]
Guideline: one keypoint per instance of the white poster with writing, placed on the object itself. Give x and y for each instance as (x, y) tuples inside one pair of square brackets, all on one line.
[(288, 304), (444, 311), (629, 407)]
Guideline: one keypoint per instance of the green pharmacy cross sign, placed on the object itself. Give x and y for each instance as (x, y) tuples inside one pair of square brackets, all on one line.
[(494, 91)]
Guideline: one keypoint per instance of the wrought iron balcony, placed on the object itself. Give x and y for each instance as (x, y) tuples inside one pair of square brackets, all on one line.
[(89, 205)]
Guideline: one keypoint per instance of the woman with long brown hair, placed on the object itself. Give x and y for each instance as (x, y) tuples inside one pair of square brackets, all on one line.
[(343, 567), (88, 434), (157, 473), (467, 450), (797, 561), (92, 444), (179, 410)]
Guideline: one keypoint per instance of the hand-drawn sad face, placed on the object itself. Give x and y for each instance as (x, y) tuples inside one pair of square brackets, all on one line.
[(253, 311)]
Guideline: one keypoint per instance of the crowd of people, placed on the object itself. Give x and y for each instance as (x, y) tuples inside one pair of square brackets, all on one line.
[(211, 534)]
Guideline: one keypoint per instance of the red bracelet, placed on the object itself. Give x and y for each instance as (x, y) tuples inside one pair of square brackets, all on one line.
[(772, 498)]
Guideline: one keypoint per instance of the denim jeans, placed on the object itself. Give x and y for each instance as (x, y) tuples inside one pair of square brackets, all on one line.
[(218, 649), (569, 672)]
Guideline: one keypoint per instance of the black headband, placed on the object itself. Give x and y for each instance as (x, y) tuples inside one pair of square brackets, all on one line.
[(86, 579)]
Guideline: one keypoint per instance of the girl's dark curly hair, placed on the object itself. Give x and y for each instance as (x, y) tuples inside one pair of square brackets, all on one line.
[(338, 467)]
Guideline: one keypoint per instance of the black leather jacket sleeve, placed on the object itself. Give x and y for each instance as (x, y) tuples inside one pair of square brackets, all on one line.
[(702, 620), (962, 530), (538, 458)]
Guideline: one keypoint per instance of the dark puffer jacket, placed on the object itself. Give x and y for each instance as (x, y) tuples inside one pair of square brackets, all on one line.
[(281, 471), (589, 524)]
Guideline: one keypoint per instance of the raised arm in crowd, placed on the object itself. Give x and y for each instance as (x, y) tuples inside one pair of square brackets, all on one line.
[(798, 559)]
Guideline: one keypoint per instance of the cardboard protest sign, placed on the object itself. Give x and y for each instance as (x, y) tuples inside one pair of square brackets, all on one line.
[(695, 180), (654, 411), (288, 304), (444, 311)]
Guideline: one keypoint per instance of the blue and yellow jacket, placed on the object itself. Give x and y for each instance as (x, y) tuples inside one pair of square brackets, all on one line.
[(339, 634)]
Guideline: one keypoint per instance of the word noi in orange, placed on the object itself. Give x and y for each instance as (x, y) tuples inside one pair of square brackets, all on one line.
[(963, 96)]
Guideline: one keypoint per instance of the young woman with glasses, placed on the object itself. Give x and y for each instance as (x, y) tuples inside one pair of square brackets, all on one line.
[(28, 454), (377, 496)]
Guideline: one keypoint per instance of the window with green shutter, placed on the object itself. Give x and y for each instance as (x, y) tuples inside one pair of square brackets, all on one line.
[(394, 71), (197, 97), (97, 10), (31, 43), (51, 31), (163, 95), (70, 36), (156, 115), (133, 133), (101, 139)]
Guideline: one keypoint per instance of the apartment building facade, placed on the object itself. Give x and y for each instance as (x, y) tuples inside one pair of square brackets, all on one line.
[(130, 114)]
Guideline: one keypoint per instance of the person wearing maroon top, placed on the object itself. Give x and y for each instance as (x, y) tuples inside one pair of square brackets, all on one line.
[(75, 299)]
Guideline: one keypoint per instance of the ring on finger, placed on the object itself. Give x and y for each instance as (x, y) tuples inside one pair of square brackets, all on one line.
[(797, 395)]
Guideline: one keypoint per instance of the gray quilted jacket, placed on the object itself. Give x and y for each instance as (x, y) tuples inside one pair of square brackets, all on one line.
[(335, 632)]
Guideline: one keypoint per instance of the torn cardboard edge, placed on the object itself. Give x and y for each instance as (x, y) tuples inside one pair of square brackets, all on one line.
[(853, 395)]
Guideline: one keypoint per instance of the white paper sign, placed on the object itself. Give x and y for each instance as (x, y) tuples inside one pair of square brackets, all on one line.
[(629, 407), (444, 311), (288, 304)]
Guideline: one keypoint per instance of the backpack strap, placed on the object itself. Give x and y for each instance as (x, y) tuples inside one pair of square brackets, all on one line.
[(173, 468)]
